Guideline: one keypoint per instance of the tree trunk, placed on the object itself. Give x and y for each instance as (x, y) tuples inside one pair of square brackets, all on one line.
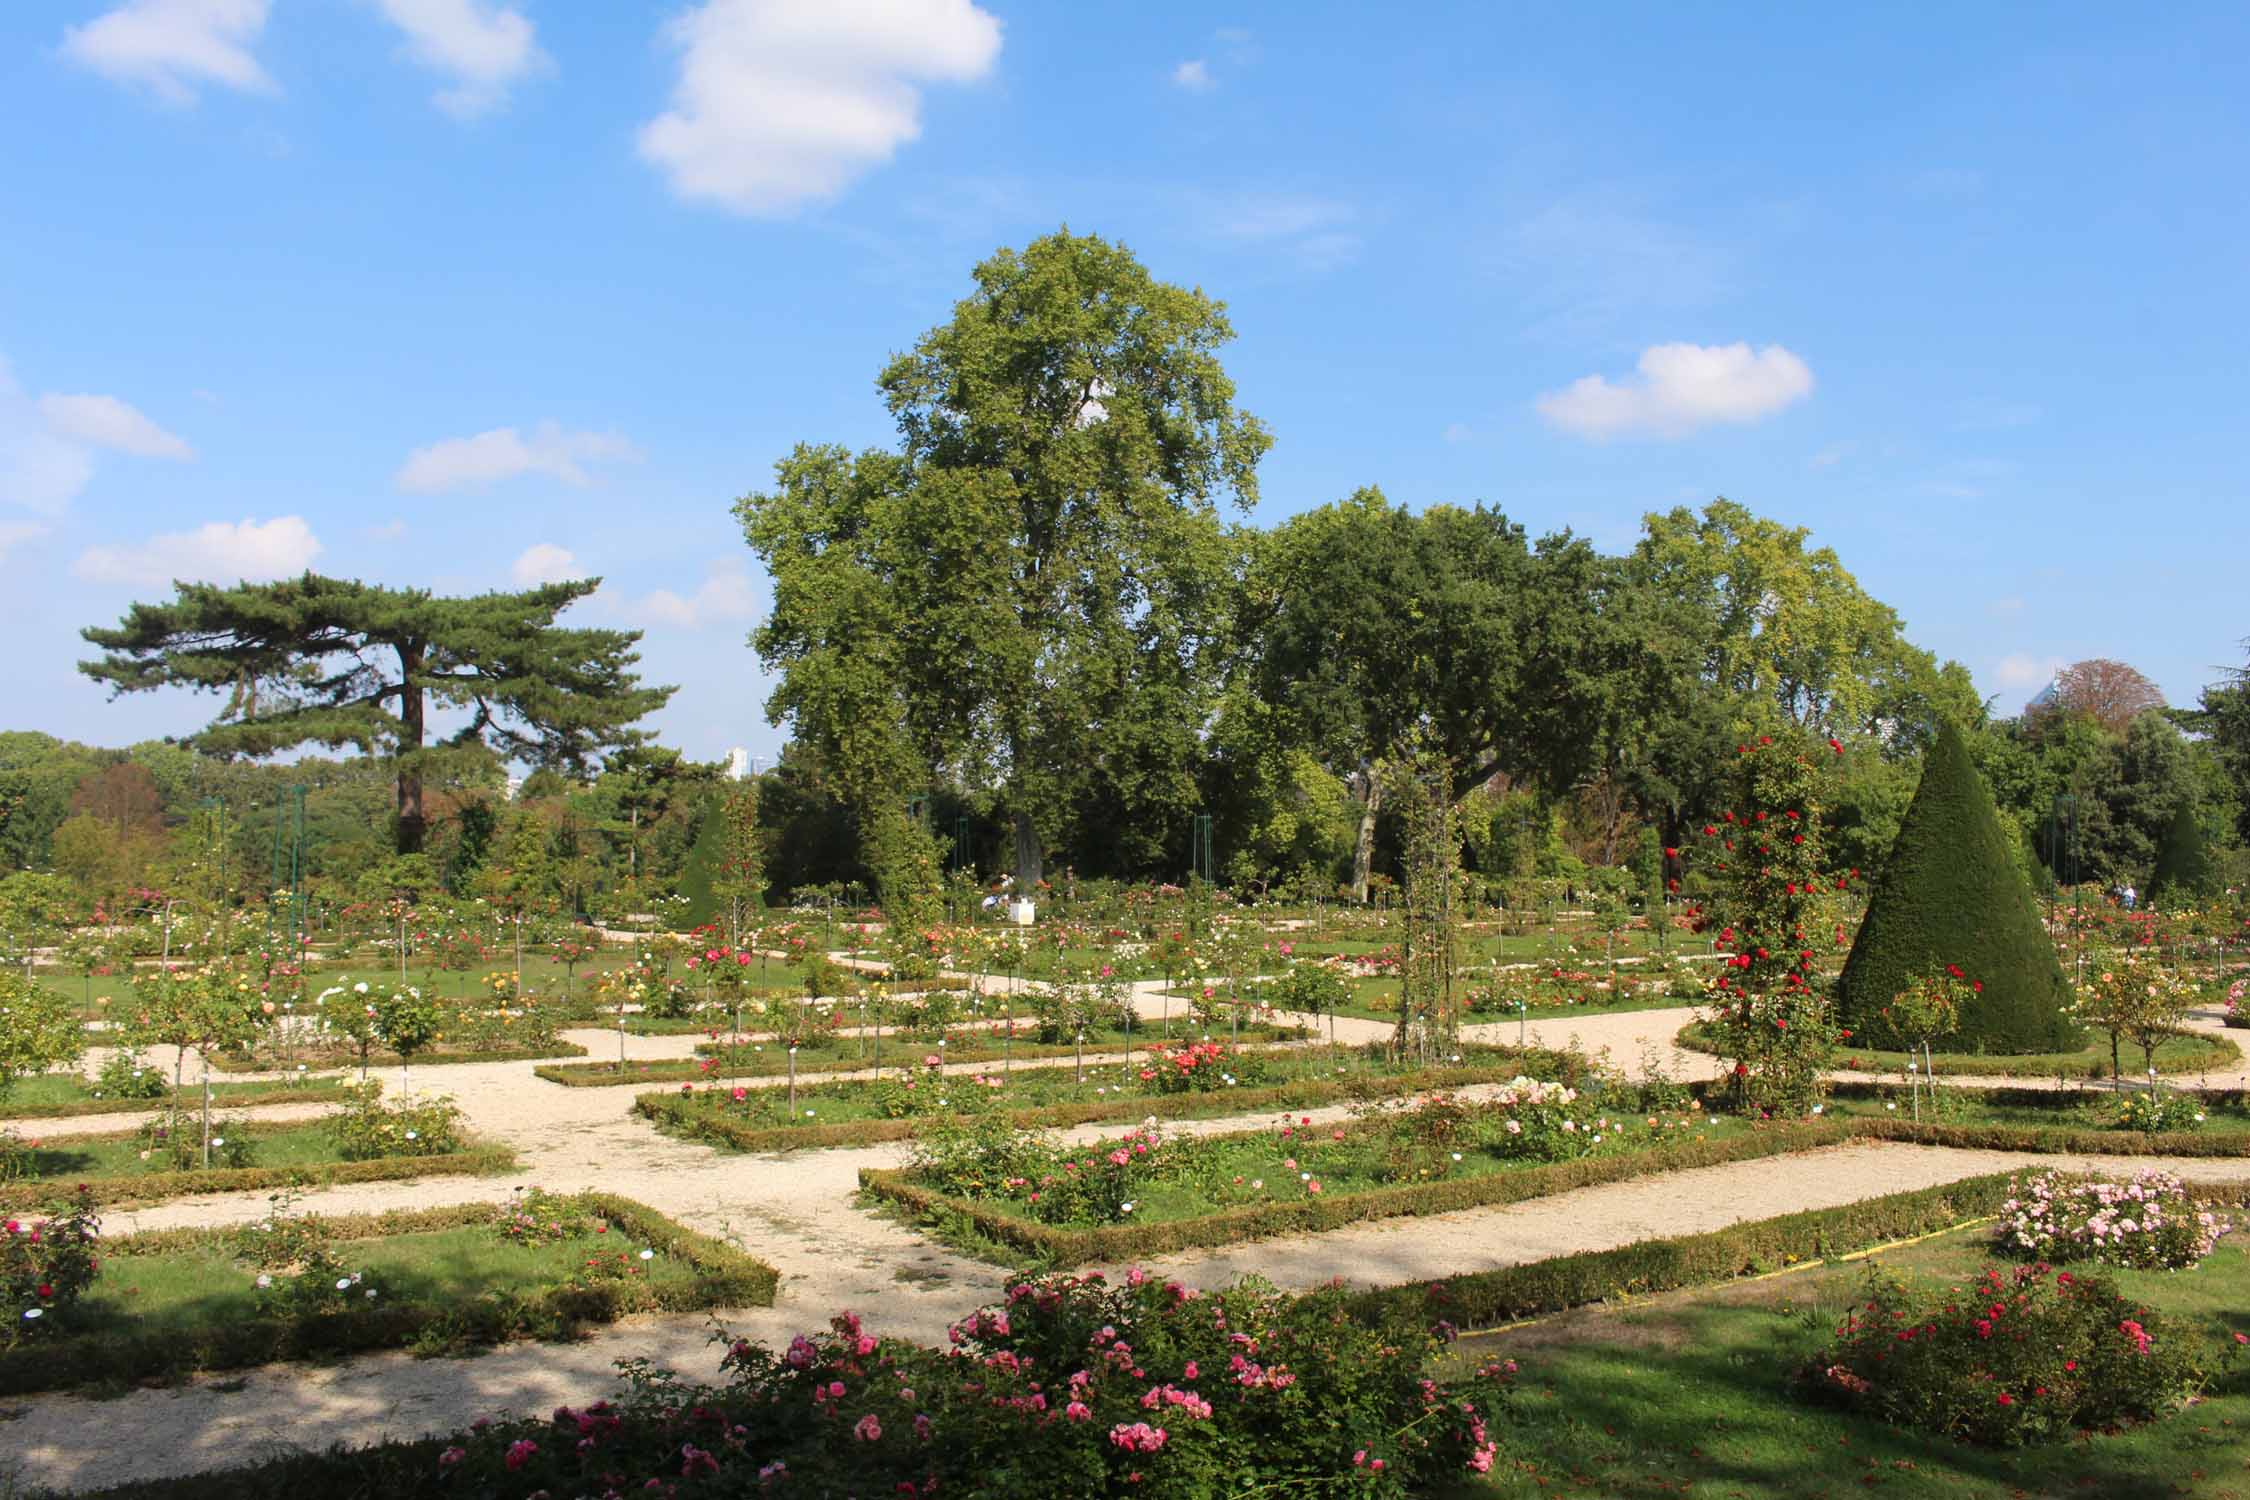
[(1363, 852), (413, 823), (1030, 858)]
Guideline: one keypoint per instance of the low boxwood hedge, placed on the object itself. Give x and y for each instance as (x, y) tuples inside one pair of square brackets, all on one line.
[(478, 1160), (79, 1108), (1061, 1246), (224, 1063), (724, 1277)]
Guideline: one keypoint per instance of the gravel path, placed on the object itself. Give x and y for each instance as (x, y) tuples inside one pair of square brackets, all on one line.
[(795, 1211)]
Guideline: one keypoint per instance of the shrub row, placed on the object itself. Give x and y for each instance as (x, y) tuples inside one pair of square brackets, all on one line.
[(724, 1277), (2211, 1051), (1486, 1299), (690, 1116), (155, 1187), (597, 1075), (81, 1107), (224, 1063), (1063, 1246)]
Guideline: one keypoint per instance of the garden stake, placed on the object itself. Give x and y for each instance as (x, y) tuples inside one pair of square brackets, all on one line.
[(792, 1078)]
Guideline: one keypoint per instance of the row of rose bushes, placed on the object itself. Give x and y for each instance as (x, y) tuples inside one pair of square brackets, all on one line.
[(1069, 1386)]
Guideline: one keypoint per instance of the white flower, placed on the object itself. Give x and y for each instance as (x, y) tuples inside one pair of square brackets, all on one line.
[(344, 1284), (371, 1294), (410, 1135), (1125, 1208), (34, 1313), (218, 1140), (360, 988), (264, 1282), (648, 1255)]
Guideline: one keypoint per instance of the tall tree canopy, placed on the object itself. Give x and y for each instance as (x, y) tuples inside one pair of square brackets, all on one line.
[(2110, 693), (1028, 593), (1448, 628), (1790, 630), (331, 661)]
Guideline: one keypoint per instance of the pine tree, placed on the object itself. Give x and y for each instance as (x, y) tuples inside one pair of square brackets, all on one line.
[(1950, 894), (2185, 871), (332, 661)]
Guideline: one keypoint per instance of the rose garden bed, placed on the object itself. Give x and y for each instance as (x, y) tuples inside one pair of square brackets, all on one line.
[(121, 1168), (2185, 1052), (56, 1096), (171, 1302)]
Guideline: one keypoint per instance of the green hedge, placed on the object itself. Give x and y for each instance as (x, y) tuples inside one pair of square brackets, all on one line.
[(2211, 1051), (155, 1187), (85, 1107), (725, 1277), (223, 1063), (903, 1053), (1485, 1299), (1121, 1242), (685, 1115), (1950, 893)]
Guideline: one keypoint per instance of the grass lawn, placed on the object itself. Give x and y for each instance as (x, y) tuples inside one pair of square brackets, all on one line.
[(244, 1156), (444, 1280), (57, 1094), (2185, 1052), (1687, 1395), (838, 1114)]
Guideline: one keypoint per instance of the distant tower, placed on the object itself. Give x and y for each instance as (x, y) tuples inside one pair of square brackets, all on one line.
[(738, 763)]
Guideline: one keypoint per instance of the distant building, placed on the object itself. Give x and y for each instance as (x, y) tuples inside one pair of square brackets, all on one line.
[(738, 763), (515, 785)]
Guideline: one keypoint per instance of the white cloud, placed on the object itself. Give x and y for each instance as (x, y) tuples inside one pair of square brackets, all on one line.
[(725, 595), (107, 422), (1194, 75), (1681, 387), (544, 562), (14, 534), (170, 46), (504, 453), (2025, 673), (1832, 455), (781, 103), (216, 552), (390, 531), (38, 471), (483, 47), (1306, 228)]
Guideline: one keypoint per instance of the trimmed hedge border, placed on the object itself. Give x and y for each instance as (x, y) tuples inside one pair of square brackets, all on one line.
[(593, 1075), (151, 1106), (678, 1112), (221, 1063), (1115, 1242), (157, 1187), (2218, 1052), (1123, 1242), (725, 1277), (1486, 1299)]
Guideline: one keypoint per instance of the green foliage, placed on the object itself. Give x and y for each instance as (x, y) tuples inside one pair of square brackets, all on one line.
[(2025, 1355), (1042, 554), (45, 1268), (367, 1129), (2185, 871), (1778, 907), (1951, 894), (38, 1028), (328, 661)]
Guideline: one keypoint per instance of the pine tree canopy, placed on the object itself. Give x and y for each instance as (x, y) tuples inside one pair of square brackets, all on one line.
[(333, 662)]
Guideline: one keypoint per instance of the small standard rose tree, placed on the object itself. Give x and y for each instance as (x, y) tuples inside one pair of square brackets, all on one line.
[(1778, 908)]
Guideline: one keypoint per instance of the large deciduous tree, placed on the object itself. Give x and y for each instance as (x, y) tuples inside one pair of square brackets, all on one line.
[(2110, 693), (331, 661), (1028, 593), (1448, 629)]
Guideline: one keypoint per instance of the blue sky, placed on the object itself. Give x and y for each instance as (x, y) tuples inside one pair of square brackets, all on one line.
[(464, 292)]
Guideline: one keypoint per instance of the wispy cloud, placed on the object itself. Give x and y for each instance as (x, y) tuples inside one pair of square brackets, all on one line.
[(781, 103), (171, 47), (1194, 75), (544, 562), (216, 552), (106, 422), (505, 453), (1314, 231), (1832, 455), (2022, 672), (14, 534), (1679, 388), (483, 48), (1595, 259)]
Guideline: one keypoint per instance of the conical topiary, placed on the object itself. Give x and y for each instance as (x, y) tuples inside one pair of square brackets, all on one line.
[(1951, 894), (699, 875), (2185, 872)]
